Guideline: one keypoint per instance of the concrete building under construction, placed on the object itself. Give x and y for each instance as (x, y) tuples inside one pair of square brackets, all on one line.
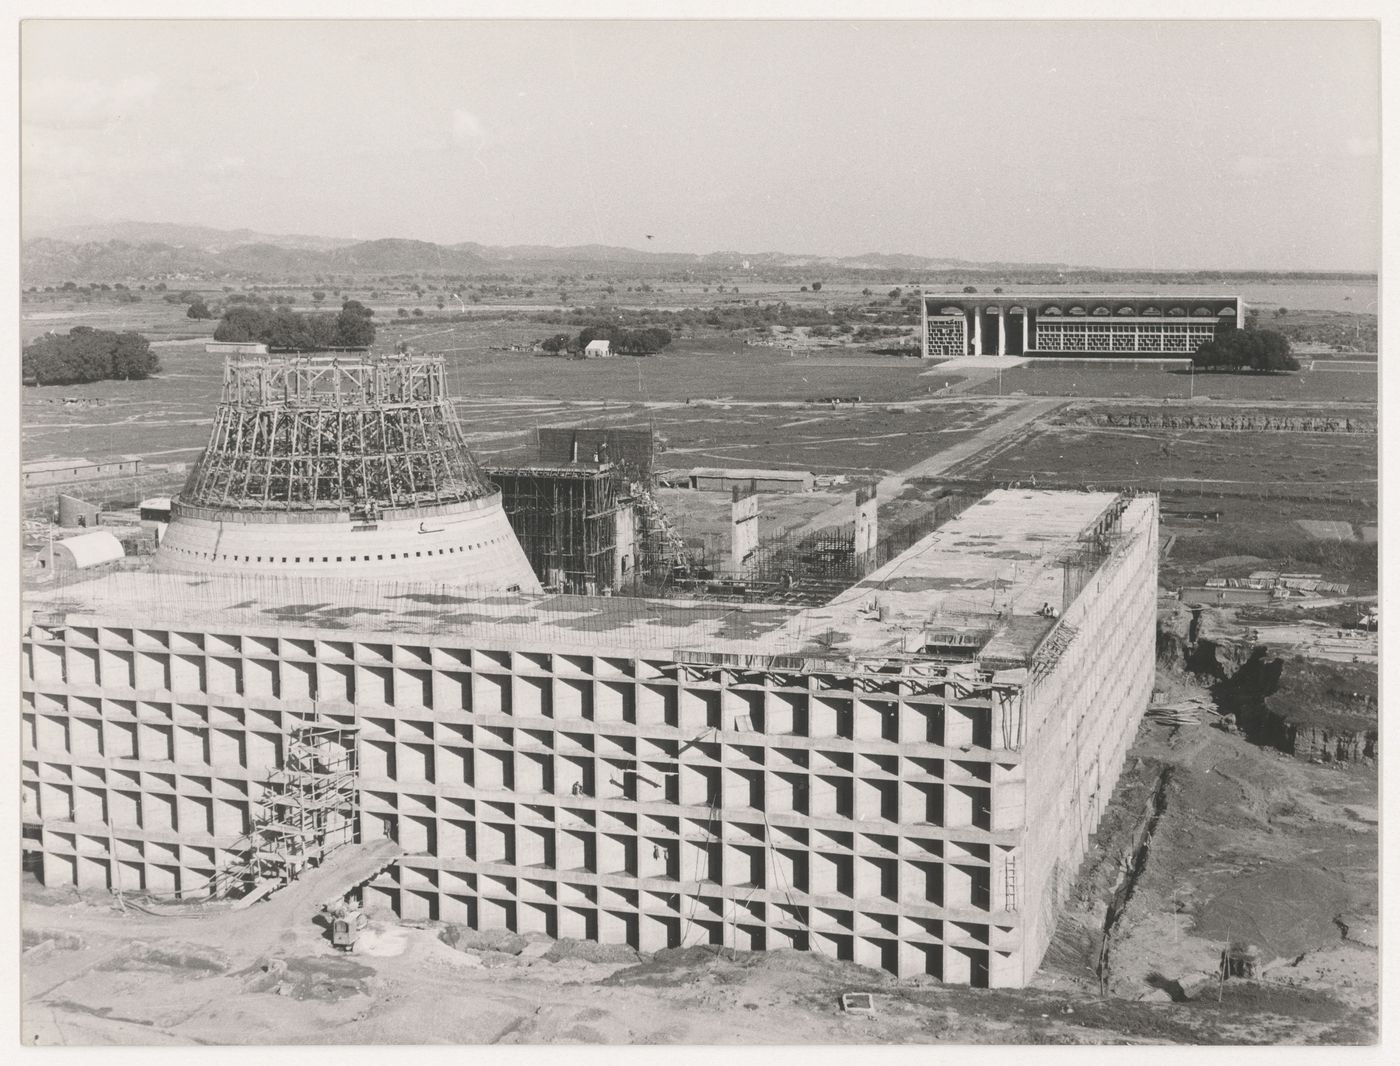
[(906, 776), (341, 465)]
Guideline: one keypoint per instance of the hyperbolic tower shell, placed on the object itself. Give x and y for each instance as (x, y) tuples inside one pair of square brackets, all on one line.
[(353, 466)]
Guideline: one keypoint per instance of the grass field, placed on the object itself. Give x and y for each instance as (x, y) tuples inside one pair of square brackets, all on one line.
[(1331, 468), (1047, 379), (867, 439), (707, 367), (167, 418)]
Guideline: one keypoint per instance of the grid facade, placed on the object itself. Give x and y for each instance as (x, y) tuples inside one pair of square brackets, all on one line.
[(914, 821), (945, 335), (1182, 337)]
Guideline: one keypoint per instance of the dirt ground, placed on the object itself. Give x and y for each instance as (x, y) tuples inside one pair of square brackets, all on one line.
[(1249, 845), (1258, 847)]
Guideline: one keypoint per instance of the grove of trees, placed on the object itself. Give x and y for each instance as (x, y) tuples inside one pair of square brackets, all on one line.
[(646, 341), (85, 354), (1246, 349), (282, 327)]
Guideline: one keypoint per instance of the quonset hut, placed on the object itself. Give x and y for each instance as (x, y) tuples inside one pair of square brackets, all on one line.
[(347, 466)]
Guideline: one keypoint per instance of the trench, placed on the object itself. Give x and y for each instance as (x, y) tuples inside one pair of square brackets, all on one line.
[(1132, 872)]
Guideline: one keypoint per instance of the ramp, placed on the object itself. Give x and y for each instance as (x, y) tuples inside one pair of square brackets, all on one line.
[(349, 865)]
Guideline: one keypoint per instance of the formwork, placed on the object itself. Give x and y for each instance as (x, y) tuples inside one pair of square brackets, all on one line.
[(565, 516), (906, 777), (334, 433), (322, 464)]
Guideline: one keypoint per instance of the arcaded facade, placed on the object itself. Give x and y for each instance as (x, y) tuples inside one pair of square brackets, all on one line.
[(1070, 324), (907, 777)]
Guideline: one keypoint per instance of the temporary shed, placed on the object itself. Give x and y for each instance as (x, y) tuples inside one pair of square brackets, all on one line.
[(713, 479), (83, 551), (598, 350)]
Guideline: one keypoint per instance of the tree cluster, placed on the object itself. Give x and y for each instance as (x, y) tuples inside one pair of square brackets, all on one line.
[(84, 354), (646, 341), (1246, 349), (282, 327)]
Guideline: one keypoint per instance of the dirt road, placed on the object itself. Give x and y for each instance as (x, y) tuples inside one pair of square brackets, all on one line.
[(1019, 414)]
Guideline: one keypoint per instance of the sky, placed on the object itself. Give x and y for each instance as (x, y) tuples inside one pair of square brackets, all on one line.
[(1139, 144)]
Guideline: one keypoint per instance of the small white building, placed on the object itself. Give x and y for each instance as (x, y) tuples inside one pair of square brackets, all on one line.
[(82, 552), (598, 350)]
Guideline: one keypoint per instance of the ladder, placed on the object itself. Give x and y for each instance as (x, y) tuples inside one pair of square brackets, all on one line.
[(1010, 876)]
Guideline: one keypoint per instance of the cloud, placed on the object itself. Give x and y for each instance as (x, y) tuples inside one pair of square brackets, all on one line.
[(75, 104), (466, 126)]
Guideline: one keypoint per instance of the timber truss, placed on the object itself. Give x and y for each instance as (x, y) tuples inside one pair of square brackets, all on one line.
[(362, 435)]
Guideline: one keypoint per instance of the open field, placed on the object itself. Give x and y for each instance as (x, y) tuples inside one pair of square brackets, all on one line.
[(505, 395), (1304, 386), (1340, 467), (713, 366), (868, 439)]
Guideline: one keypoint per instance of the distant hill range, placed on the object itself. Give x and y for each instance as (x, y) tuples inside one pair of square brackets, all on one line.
[(116, 250)]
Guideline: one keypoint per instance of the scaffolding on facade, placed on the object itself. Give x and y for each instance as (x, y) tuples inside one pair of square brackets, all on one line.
[(309, 808), (565, 516)]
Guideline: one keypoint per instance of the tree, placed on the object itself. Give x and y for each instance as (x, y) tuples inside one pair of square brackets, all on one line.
[(895, 293), (198, 309), (816, 286), (132, 358), (354, 325), (863, 292), (318, 296), (84, 354), (969, 288), (1263, 350)]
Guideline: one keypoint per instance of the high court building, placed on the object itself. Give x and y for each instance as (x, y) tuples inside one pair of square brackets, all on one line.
[(1073, 324)]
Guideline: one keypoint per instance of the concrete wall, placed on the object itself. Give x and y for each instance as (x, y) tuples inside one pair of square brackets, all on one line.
[(919, 824), (743, 528), (1082, 717), (471, 543), (536, 790)]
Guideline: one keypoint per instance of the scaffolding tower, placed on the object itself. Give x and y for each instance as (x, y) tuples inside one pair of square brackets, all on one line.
[(565, 516), (310, 807)]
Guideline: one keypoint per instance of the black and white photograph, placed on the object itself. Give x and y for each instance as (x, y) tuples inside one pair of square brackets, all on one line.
[(624, 527)]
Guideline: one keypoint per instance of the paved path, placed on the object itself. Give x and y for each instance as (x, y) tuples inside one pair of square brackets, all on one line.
[(1016, 418)]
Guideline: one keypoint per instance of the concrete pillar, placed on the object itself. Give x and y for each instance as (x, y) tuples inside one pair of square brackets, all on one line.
[(867, 525), (976, 331), (1026, 347), (743, 527), (1001, 331)]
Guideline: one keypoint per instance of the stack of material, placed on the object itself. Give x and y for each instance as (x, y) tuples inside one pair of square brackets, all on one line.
[(1186, 711)]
